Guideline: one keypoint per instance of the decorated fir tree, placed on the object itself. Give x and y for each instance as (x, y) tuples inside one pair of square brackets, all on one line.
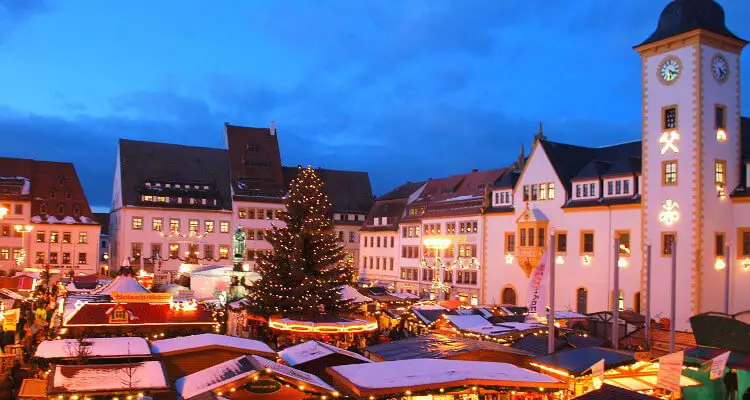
[(304, 274)]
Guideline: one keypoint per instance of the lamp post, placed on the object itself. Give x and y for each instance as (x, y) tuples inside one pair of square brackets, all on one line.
[(437, 244), (3, 212), (23, 230)]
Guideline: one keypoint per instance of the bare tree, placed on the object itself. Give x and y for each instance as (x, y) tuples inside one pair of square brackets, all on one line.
[(79, 350), (129, 371)]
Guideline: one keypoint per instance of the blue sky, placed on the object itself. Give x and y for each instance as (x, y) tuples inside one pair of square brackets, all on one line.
[(403, 89)]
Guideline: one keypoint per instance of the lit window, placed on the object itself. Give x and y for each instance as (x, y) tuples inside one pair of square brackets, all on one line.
[(66, 237), (157, 224), (137, 223), (208, 226), (40, 236), (543, 191), (587, 242), (174, 225), (83, 237), (666, 243), (193, 225), (669, 172), (670, 118), (720, 168), (223, 252), (82, 258), (551, 191), (174, 250), (224, 226)]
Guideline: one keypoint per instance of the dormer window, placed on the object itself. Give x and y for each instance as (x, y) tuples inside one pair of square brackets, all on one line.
[(118, 315), (618, 187), (586, 190)]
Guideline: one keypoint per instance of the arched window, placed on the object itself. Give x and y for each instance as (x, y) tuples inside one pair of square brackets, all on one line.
[(68, 194), (76, 210), (637, 302), (52, 193), (509, 296), (43, 208), (582, 299), (61, 209)]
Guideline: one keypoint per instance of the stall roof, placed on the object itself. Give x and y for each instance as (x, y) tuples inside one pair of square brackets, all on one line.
[(33, 389), (313, 350), (428, 314), (350, 293), (190, 386), (537, 344), (97, 347), (436, 346), (122, 284), (147, 375), (704, 354), (210, 340), (421, 374), (577, 361), (640, 376), (609, 392)]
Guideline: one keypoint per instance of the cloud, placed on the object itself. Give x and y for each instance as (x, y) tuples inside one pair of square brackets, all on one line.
[(15, 12)]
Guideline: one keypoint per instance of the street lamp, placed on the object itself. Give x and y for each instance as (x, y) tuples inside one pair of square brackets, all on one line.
[(438, 244), (23, 230), (3, 212)]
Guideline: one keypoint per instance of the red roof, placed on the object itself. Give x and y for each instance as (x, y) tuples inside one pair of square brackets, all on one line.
[(141, 314), (17, 282)]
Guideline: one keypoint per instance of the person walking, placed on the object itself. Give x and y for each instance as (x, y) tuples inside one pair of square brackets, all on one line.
[(730, 384)]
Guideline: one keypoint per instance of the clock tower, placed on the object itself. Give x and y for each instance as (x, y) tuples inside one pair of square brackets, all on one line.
[(690, 154)]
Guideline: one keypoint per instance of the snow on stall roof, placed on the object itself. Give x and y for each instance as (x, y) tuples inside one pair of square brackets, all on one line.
[(292, 373), (405, 295), (569, 315), (477, 324), (521, 326), (312, 350), (98, 347), (209, 339), (121, 284), (350, 293), (108, 377), (411, 373), (207, 379)]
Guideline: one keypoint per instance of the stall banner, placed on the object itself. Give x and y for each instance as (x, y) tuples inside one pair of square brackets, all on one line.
[(670, 371), (11, 319), (597, 373)]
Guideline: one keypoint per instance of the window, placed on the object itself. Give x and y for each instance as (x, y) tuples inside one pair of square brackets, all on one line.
[(509, 296), (223, 252), (39, 259), (540, 242), (224, 226), (610, 185), (82, 258), (18, 209), (618, 187), (523, 237), (157, 224), (351, 237), (193, 225), (52, 194), (592, 189), (52, 258), (531, 236), (670, 117), (174, 225), (626, 186), (137, 223), (510, 242), (377, 240), (377, 262), (119, 315), (54, 237), (17, 254), (582, 299), (40, 236), (66, 237), (720, 169), (719, 244), (390, 264), (744, 237), (543, 191), (526, 193), (578, 190), (208, 226), (637, 302), (135, 250), (534, 192), (242, 213), (83, 237), (174, 250), (624, 242), (156, 251), (260, 234), (43, 208), (669, 172), (587, 242), (5, 230), (667, 239), (561, 242), (450, 228), (720, 117), (551, 191), (5, 254), (392, 241)]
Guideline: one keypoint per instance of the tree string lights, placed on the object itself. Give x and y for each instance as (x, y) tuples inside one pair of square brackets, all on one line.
[(304, 273)]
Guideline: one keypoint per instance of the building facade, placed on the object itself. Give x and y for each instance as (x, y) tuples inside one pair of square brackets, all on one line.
[(49, 226), (680, 190), (178, 207)]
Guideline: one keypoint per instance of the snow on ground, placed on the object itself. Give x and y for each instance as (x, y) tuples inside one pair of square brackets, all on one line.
[(213, 377), (312, 350), (90, 378), (209, 339), (97, 347), (410, 373)]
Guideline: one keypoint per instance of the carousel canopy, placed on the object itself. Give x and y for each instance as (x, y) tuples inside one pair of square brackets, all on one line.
[(122, 284), (436, 346)]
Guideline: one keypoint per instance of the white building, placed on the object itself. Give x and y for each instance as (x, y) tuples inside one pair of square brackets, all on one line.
[(684, 181), (59, 232)]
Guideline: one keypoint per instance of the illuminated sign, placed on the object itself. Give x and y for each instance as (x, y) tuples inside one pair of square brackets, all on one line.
[(263, 386), (311, 327), (667, 140), (669, 214), (141, 297)]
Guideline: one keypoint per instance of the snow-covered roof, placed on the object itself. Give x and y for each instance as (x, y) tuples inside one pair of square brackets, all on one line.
[(521, 326), (97, 347), (210, 340), (211, 270), (411, 374), (350, 293), (220, 374), (569, 315), (4, 292), (107, 378), (405, 295), (289, 372), (121, 284), (476, 324), (312, 350)]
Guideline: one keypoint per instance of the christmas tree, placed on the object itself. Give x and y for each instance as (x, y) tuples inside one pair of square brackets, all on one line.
[(304, 274)]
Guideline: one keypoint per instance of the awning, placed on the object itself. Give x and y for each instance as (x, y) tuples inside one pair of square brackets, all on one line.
[(640, 376)]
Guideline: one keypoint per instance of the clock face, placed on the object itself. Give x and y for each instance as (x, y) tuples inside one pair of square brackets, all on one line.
[(719, 68), (670, 69)]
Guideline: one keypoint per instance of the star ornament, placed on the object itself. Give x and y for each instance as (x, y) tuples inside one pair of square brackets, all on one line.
[(669, 214)]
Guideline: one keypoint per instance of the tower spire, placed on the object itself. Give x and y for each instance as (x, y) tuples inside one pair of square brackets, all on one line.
[(521, 161), (540, 134)]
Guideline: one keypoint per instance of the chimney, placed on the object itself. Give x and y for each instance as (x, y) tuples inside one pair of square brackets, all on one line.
[(475, 170), (272, 128)]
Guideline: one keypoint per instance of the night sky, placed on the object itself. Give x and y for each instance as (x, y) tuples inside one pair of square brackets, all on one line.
[(405, 90)]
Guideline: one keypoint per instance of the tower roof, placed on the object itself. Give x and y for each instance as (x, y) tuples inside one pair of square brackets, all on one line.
[(681, 16)]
